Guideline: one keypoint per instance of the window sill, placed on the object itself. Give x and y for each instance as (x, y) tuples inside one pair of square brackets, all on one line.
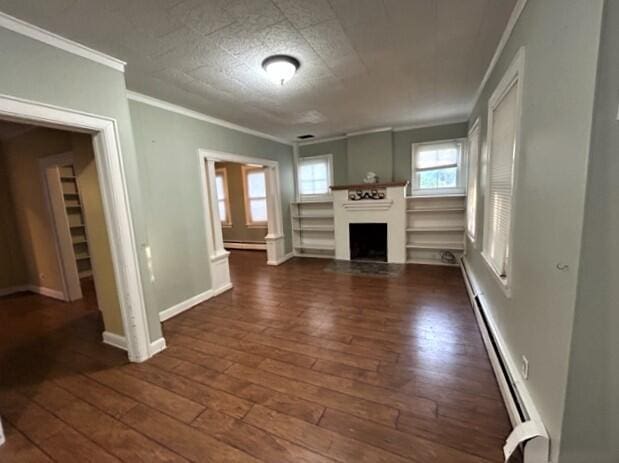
[(315, 198), (257, 225), (226, 225), (443, 193), (504, 283)]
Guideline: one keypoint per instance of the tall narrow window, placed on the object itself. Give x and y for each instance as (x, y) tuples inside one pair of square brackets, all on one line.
[(255, 195), (471, 198), (503, 123), (437, 168), (221, 183), (315, 175)]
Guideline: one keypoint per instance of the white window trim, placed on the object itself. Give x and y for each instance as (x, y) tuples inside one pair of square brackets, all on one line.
[(513, 76), (224, 174), (329, 159), (246, 170), (476, 127), (461, 179)]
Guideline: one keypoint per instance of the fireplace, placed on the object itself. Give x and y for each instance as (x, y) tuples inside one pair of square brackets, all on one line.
[(368, 241)]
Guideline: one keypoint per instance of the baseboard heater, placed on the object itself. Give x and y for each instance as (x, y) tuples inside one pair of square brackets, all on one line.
[(529, 434)]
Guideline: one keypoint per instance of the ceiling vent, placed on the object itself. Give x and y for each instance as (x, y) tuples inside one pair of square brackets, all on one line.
[(307, 136)]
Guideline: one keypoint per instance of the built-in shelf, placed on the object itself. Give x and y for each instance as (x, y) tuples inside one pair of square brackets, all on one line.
[(445, 246), (82, 256), (316, 247), (435, 229), (447, 196), (85, 274), (326, 201), (316, 216), (314, 228), (69, 178), (79, 225), (435, 209), (80, 241)]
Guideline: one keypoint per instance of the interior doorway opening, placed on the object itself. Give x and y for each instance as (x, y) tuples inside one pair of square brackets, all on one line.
[(242, 206), (56, 266)]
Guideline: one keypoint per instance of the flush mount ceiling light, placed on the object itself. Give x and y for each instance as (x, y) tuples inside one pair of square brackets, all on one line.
[(280, 68)]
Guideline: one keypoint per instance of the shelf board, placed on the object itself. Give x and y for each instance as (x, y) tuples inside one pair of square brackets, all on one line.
[(73, 206), (447, 196), (81, 225), (316, 247), (317, 216), (67, 177), (85, 274), (312, 228), (71, 194), (314, 256), (83, 256), (300, 203), (434, 229), (80, 241), (435, 209), (447, 246)]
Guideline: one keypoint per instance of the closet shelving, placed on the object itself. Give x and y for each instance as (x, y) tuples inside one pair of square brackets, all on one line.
[(435, 225), (313, 228), (75, 218)]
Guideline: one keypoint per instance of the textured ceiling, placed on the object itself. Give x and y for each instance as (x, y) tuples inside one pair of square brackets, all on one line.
[(364, 63)]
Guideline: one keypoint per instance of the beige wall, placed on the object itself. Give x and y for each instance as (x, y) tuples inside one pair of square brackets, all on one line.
[(21, 155), (12, 263), (239, 231)]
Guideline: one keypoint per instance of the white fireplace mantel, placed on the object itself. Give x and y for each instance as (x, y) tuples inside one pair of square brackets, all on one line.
[(390, 210)]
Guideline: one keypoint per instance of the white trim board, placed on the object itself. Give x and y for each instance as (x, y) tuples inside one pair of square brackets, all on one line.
[(509, 28), (187, 304), (248, 246), (161, 104), (114, 340), (41, 290), (280, 261), (54, 40)]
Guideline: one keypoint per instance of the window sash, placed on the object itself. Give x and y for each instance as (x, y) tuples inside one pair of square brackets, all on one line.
[(311, 182), (221, 191), (252, 199), (501, 160), (442, 162)]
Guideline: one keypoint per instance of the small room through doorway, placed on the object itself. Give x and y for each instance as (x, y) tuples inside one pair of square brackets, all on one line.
[(56, 273), (242, 205)]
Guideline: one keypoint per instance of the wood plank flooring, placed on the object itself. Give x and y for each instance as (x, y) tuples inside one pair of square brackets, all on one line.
[(295, 364)]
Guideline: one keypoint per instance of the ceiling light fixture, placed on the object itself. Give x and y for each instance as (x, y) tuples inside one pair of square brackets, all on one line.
[(280, 68)]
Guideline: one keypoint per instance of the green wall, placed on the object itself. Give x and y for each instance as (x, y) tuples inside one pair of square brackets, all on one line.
[(386, 153), (167, 144), (591, 422), (370, 152), (558, 90)]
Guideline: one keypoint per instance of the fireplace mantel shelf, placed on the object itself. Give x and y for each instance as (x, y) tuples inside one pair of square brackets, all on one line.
[(368, 186)]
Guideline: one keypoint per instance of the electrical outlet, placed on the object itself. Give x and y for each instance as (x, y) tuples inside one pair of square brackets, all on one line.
[(524, 367)]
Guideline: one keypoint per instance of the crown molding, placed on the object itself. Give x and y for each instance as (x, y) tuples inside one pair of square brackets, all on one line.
[(57, 41), (509, 28), (365, 132), (322, 140), (152, 101), (442, 123)]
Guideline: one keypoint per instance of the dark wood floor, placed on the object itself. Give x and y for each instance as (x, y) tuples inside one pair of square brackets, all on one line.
[(295, 364)]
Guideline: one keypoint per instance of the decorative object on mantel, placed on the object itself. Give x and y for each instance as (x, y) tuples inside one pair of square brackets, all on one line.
[(358, 195), (370, 177)]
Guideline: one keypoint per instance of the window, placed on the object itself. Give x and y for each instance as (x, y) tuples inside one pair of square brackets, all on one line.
[(471, 198), (221, 184), (437, 168), (254, 182), (503, 127), (315, 175)]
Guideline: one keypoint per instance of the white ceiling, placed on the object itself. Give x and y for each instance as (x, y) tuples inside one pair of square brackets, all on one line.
[(364, 63)]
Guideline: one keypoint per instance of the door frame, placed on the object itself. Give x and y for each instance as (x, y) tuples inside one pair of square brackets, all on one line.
[(116, 208), (218, 256)]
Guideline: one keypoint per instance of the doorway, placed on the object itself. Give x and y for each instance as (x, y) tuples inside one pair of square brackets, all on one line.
[(266, 199), (118, 222)]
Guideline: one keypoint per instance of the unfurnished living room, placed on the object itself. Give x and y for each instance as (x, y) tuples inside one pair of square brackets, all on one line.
[(345, 231)]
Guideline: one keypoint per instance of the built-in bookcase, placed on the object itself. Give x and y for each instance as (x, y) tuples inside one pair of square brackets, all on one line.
[(435, 224), (313, 228), (75, 218)]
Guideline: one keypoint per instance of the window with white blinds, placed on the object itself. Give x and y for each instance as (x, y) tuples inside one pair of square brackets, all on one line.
[(315, 175), (437, 168), (471, 198), (503, 121)]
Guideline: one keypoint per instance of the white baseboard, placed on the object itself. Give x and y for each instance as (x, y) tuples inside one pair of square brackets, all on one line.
[(191, 302), (156, 346), (287, 257), (115, 340), (184, 305), (13, 290), (48, 292), (250, 246)]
